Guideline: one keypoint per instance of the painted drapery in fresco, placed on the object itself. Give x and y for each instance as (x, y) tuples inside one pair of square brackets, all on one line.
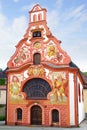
[(59, 88)]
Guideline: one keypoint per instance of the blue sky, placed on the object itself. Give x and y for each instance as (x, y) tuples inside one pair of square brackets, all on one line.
[(67, 20)]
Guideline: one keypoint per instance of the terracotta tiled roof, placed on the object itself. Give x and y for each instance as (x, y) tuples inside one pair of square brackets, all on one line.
[(2, 87), (73, 65), (84, 77), (2, 75)]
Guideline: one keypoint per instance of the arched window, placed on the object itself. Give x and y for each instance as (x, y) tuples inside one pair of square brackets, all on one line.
[(34, 17), (82, 95), (36, 58), (39, 17), (19, 114), (55, 116), (36, 88), (79, 92)]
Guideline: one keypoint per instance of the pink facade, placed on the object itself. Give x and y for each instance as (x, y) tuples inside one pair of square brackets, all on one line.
[(39, 78)]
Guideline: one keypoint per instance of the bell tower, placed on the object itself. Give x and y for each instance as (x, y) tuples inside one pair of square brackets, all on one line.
[(37, 14), (37, 24)]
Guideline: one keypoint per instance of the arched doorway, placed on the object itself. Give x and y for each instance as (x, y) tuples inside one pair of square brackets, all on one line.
[(36, 115), (55, 116)]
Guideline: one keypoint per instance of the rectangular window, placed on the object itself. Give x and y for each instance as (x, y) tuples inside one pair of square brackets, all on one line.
[(36, 59), (19, 114), (37, 34)]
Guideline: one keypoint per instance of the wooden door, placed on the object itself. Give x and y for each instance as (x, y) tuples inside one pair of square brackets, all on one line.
[(36, 115)]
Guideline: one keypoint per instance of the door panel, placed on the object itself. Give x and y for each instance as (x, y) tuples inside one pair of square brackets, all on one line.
[(36, 115)]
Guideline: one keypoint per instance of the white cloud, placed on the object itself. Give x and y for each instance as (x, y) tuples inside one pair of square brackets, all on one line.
[(0, 6), (75, 13), (59, 3), (27, 7), (67, 22), (10, 36), (18, 26), (68, 26), (53, 19), (2, 20)]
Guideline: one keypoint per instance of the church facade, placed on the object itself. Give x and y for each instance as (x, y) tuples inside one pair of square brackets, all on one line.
[(44, 86)]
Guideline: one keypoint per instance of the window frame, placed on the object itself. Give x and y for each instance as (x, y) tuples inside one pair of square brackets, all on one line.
[(19, 114), (36, 58), (36, 88), (55, 114), (36, 34)]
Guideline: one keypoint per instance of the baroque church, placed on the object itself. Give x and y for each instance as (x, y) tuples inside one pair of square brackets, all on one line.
[(44, 86)]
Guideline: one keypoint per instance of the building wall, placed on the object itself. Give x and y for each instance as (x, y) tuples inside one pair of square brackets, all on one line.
[(53, 67), (46, 115), (81, 112), (71, 97), (85, 100), (2, 96), (16, 100)]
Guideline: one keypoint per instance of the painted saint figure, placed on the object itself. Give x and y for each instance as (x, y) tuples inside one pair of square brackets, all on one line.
[(58, 92)]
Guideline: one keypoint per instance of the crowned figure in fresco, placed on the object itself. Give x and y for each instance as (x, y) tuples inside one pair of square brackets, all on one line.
[(58, 93)]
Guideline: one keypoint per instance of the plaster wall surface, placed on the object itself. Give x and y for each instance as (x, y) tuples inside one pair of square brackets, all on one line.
[(71, 97)]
